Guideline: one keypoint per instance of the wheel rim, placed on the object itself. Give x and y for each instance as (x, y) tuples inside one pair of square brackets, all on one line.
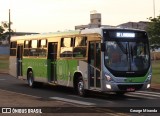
[(80, 87), (30, 81)]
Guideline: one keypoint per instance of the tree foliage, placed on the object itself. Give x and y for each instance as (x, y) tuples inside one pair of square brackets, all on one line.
[(153, 30), (1, 30), (4, 28)]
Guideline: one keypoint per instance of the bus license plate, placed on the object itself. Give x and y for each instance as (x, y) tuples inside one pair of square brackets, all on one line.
[(130, 89)]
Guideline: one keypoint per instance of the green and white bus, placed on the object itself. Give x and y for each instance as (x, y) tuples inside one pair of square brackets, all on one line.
[(99, 59)]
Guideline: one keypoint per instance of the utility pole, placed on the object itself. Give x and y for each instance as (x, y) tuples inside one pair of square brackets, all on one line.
[(154, 8), (9, 27)]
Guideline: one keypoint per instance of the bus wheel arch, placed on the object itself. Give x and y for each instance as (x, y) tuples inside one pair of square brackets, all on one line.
[(30, 77), (78, 84)]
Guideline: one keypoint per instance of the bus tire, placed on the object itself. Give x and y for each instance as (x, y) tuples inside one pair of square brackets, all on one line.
[(30, 79), (80, 88)]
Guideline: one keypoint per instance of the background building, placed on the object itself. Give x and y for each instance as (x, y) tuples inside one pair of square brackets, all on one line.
[(95, 21), (135, 25)]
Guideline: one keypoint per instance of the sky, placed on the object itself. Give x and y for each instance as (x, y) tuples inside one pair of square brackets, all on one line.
[(60, 15)]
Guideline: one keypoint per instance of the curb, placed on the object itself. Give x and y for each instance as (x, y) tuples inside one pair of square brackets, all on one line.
[(155, 87)]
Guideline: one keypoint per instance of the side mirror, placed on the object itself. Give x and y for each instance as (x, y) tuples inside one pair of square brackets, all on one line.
[(103, 47)]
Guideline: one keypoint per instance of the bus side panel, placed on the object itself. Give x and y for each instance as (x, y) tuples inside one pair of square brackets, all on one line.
[(13, 66), (65, 71), (73, 64), (83, 68), (39, 68), (49, 70)]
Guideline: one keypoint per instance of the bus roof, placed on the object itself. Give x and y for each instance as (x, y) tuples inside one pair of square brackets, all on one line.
[(99, 30), (44, 35), (84, 31)]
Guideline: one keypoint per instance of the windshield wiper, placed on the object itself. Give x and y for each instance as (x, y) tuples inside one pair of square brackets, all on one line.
[(124, 50), (132, 53)]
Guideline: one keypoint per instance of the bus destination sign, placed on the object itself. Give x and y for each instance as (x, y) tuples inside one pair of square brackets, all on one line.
[(125, 35)]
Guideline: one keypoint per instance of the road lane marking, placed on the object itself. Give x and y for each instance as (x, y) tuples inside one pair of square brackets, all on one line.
[(73, 101), (138, 96), (20, 93), (145, 94), (97, 100), (157, 93)]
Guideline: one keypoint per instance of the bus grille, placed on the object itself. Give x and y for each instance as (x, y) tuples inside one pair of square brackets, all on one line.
[(125, 87)]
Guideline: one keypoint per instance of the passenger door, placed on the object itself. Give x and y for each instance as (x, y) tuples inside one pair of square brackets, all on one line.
[(19, 59), (52, 57), (94, 60)]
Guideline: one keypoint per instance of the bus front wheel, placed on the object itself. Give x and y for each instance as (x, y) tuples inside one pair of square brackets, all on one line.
[(30, 78)]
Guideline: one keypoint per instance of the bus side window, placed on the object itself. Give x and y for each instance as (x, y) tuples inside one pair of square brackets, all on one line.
[(42, 45), (27, 45), (34, 50), (62, 42), (91, 54), (34, 44), (80, 47), (13, 44), (81, 41), (98, 55), (13, 47), (66, 47)]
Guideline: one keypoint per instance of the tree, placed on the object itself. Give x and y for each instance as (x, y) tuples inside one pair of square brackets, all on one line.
[(1, 30), (5, 26), (4, 30), (153, 30)]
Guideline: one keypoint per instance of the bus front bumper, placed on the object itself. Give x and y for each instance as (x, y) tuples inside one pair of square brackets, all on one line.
[(126, 87)]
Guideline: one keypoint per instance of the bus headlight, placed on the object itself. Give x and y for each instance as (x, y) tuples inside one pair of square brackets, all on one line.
[(108, 86), (148, 86)]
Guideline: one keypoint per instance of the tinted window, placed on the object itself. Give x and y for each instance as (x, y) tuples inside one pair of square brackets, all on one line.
[(79, 52), (34, 44), (12, 52), (27, 44), (80, 41), (66, 47), (66, 42), (43, 43), (13, 45), (80, 47)]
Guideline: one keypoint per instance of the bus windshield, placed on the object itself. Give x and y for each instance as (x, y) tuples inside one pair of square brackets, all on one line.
[(126, 56), (126, 52)]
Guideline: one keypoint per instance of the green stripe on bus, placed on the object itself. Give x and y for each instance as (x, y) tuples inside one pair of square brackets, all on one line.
[(66, 69), (136, 79), (42, 68), (39, 66)]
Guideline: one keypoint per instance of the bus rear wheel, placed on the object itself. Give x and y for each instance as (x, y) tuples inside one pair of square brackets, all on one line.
[(80, 88), (30, 79)]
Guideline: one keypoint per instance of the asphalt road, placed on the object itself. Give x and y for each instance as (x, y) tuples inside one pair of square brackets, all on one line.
[(16, 93)]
